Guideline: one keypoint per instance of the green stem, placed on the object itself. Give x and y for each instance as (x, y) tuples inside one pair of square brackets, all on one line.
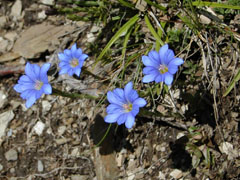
[(73, 95), (106, 133)]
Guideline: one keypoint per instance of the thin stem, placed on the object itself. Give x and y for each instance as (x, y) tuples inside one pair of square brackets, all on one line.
[(73, 95), (106, 133)]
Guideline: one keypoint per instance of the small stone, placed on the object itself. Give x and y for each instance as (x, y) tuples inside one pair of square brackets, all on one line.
[(179, 135), (40, 166), (61, 130), (1, 167), (176, 174), (3, 45), (42, 15), (46, 106), (12, 170), (11, 155), (62, 141), (158, 147), (75, 152), (3, 21), (39, 127), (48, 2), (120, 159), (5, 118), (79, 177), (11, 36), (3, 99), (16, 8)]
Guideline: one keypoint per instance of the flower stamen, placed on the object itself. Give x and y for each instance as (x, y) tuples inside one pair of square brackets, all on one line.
[(127, 107), (163, 69), (38, 85), (74, 63)]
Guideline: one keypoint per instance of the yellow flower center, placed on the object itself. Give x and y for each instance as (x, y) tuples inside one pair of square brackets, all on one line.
[(127, 107), (38, 85), (74, 63), (163, 69)]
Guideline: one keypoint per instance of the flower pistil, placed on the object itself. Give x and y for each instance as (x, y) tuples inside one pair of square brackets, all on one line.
[(163, 69), (127, 107), (74, 63), (38, 85)]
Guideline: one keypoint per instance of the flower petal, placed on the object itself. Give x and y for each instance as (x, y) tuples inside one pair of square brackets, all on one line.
[(36, 70), (128, 92), (149, 62), (149, 70), (63, 57), (23, 87), (140, 102), (25, 79), (29, 72), (154, 56), (114, 99), (111, 118), (68, 53), (149, 78), (122, 118), (114, 108), (74, 48), (78, 53), (168, 78), (176, 62), (30, 101), (162, 53), (43, 72), (64, 70), (83, 57), (47, 88), (77, 71), (172, 69), (135, 110), (159, 78), (130, 121)]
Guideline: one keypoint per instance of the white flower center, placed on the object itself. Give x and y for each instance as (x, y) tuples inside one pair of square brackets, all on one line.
[(127, 107), (74, 63), (38, 85), (163, 69)]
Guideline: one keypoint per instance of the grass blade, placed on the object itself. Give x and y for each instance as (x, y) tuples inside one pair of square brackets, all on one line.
[(214, 5), (154, 33), (122, 30), (232, 84)]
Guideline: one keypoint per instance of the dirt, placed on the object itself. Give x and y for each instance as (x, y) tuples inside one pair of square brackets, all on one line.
[(153, 149)]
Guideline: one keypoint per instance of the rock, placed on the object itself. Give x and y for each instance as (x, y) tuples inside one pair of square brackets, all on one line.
[(3, 99), (39, 127), (3, 45), (11, 36), (48, 2), (12, 170), (40, 166), (79, 177), (5, 118), (3, 21), (42, 15), (9, 56), (176, 174), (62, 141), (75, 152), (16, 8), (227, 148), (1, 167), (46, 106), (61, 130), (38, 39), (11, 155)]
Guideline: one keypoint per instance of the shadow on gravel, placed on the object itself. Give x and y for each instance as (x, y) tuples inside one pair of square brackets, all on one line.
[(115, 139)]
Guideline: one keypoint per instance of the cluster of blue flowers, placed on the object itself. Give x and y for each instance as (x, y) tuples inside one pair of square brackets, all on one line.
[(124, 103)]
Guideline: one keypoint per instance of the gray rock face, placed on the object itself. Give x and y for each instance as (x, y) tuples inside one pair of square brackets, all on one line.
[(11, 155)]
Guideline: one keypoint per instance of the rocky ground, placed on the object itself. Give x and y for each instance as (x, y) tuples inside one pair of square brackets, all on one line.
[(56, 137)]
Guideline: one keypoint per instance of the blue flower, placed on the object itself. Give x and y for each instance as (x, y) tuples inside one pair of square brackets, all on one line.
[(124, 105), (34, 83), (160, 66), (71, 61)]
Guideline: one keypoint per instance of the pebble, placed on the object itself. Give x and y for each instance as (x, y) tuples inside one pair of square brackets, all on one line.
[(12, 170), (48, 2), (11, 155), (3, 45), (39, 127), (1, 167), (16, 8), (11, 36), (3, 99), (46, 106), (5, 118), (61, 130), (40, 166), (176, 174), (3, 21)]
